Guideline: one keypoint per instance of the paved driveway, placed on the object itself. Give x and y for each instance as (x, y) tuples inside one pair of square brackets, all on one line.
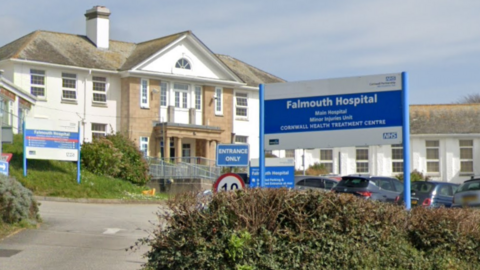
[(79, 236)]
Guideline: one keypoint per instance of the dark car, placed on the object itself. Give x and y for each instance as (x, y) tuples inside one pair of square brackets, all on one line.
[(314, 182), (467, 194), (379, 188), (430, 194)]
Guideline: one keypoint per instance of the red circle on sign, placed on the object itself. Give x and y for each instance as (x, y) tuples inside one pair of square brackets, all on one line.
[(228, 181)]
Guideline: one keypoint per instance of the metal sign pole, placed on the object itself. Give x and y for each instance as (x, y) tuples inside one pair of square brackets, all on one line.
[(406, 143), (261, 157)]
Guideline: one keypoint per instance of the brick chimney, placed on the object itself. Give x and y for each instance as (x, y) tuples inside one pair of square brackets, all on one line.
[(98, 26)]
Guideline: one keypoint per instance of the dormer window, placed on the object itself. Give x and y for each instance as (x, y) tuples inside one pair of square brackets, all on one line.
[(183, 64)]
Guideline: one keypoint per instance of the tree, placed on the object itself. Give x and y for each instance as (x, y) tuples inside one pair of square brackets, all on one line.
[(469, 99)]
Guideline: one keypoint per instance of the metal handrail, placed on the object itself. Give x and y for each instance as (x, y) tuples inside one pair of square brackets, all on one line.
[(177, 168)]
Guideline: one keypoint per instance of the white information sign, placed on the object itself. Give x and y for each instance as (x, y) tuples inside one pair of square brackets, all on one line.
[(51, 139)]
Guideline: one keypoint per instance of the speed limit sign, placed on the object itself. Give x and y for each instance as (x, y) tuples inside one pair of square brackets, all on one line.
[(228, 182)]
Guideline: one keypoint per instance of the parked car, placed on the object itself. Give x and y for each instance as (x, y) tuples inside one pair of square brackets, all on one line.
[(468, 194), (322, 183), (378, 188), (332, 176), (430, 194)]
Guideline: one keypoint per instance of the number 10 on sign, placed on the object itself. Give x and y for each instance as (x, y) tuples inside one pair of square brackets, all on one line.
[(228, 182)]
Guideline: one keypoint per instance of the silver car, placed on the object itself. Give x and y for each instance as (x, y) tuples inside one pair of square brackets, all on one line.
[(467, 194), (319, 183)]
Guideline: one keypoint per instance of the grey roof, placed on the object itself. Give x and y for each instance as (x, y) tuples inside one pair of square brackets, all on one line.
[(445, 119), (146, 49), (67, 49), (252, 76), (79, 51)]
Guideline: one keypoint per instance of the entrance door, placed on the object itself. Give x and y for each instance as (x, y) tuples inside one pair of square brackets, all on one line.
[(172, 149), (186, 152)]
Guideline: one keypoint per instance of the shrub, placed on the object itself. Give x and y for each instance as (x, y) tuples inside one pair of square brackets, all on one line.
[(117, 156), (282, 229), (101, 157), (16, 202), (315, 169), (414, 176)]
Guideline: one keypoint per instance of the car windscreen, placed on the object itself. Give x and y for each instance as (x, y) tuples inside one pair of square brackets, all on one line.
[(353, 182), (422, 187), (469, 186)]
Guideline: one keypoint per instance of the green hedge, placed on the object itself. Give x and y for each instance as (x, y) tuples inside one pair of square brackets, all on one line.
[(281, 229)]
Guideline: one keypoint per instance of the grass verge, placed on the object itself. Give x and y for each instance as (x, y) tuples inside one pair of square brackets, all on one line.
[(9, 229), (59, 179)]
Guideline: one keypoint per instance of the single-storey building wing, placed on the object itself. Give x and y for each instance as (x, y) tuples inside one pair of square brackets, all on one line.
[(444, 145), (15, 103)]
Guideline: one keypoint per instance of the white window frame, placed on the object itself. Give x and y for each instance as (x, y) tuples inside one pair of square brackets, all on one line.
[(326, 159), (397, 158), (198, 97), (69, 80), (183, 63), (186, 150), (361, 160), (432, 146), (241, 104), (97, 92), (144, 100), (5, 106), (239, 139), (38, 82), (466, 157), (163, 94), (181, 95), (98, 130), (218, 101), (144, 146)]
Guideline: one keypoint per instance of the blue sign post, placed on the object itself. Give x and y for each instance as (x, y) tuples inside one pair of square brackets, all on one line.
[(275, 177), (232, 155), (368, 110), (51, 140), (277, 173), (4, 167)]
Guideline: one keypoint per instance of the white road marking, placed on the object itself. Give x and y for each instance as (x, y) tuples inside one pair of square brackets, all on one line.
[(111, 231)]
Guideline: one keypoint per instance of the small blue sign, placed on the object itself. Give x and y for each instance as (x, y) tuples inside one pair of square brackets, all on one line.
[(232, 155), (275, 177), (4, 167)]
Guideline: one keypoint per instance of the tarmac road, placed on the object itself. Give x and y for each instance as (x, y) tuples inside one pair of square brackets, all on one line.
[(80, 236)]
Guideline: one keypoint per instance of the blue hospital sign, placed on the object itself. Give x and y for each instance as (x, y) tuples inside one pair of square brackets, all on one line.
[(279, 172), (4, 167), (232, 155), (334, 112)]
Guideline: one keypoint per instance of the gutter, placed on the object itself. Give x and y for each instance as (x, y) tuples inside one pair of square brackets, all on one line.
[(180, 77), (462, 135)]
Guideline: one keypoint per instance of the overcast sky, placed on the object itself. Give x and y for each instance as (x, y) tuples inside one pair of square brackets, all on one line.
[(436, 41)]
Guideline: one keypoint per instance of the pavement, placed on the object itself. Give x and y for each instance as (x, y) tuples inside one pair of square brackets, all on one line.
[(99, 201)]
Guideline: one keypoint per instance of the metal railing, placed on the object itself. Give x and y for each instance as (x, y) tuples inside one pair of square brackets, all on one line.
[(183, 168)]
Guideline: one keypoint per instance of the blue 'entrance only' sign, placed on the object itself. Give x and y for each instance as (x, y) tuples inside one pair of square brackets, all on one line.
[(232, 155)]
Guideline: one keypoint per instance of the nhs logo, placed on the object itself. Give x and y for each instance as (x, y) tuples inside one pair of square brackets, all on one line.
[(389, 135), (391, 78)]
